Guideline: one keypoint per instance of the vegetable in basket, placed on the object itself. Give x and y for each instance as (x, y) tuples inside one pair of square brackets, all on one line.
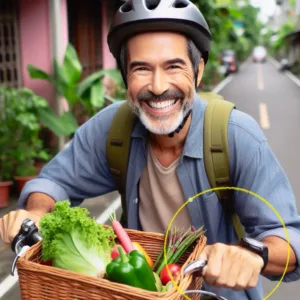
[(121, 233), (164, 274), (137, 246), (73, 241), (131, 269), (178, 243)]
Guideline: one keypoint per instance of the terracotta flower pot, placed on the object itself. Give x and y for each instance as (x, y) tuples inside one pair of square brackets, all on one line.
[(4, 193), (21, 180)]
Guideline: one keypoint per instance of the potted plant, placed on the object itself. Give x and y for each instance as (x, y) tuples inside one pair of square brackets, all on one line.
[(6, 148), (26, 155), (6, 169), (20, 132)]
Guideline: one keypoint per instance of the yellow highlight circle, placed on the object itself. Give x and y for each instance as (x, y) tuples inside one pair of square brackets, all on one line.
[(236, 189)]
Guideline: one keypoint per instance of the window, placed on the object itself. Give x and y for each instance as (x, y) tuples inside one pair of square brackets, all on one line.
[(9, 45), (85, 33)]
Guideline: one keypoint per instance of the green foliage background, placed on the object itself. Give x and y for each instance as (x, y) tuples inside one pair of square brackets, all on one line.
[(221, 16)]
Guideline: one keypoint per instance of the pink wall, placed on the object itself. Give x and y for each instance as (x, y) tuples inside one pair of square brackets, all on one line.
[(35, 43), (108, 60)]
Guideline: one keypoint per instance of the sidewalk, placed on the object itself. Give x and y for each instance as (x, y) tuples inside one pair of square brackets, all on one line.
[(12, 204)]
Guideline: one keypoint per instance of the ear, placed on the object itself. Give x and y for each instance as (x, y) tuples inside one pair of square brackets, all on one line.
[(200, 71)]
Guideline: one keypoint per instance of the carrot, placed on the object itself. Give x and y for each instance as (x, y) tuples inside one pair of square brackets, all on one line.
[(121, 234)]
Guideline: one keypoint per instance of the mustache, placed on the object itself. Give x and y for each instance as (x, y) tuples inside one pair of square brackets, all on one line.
[(167, 95)]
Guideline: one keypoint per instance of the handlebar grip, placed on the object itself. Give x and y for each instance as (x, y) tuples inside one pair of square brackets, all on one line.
[(27, 236)]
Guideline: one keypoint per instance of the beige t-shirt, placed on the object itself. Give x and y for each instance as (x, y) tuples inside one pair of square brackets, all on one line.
[(161, 196)]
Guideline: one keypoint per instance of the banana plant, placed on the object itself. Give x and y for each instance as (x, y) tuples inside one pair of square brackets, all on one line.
[(66, 78)]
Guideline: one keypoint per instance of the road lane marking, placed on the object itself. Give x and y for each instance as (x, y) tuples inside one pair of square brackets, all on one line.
[(264, 117), (293, 77), (260, 78), (287, 73), (8, 283), (222, 84)]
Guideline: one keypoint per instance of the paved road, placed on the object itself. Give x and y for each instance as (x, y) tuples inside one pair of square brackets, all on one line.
[(273, 100)]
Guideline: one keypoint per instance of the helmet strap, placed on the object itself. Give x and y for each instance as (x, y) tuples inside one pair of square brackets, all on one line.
[(178, 129)]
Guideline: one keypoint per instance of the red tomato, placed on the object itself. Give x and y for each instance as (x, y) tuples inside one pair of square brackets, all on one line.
[(46, 263), (115, 252), (164, 275)]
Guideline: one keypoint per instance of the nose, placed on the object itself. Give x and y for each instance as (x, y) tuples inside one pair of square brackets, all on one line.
[(159, 83)]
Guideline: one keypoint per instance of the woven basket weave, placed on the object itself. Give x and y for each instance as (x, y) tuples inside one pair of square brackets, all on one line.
[(39, 282)]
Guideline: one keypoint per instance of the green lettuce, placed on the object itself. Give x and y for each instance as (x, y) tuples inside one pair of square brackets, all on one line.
[(73, 241)]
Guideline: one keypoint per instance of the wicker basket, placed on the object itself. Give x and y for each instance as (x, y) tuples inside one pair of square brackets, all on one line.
[(40, 282)]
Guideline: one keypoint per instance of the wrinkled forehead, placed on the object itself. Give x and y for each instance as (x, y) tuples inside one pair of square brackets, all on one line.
[(161, 44)]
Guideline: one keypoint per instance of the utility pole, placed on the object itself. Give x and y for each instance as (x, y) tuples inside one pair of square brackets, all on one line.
[(57, 51), (297, 13)]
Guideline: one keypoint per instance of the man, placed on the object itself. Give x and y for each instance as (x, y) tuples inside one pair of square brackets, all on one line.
[(162, 46)]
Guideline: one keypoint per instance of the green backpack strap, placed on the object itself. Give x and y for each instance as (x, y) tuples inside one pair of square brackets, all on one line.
[(216, 153), (117, 150)]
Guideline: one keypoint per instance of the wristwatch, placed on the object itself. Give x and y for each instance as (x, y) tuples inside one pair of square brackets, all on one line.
[(256, 247)]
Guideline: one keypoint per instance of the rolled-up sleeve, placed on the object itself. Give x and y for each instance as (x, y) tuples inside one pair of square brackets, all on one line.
[(79, 171), (258, 170)]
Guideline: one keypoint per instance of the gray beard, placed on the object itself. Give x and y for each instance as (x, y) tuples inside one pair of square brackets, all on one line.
[(161, 129)]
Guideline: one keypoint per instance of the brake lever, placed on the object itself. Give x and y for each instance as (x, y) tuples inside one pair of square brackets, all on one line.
[(26, 237), (195, 266)]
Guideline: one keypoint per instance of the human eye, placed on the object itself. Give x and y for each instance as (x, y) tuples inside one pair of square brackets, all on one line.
[(141, 69), (172, 67)]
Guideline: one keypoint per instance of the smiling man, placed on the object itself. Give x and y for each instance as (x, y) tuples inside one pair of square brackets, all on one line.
[(161, 47)]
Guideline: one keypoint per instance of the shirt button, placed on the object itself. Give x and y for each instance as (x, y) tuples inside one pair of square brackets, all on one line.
[(135, 201)]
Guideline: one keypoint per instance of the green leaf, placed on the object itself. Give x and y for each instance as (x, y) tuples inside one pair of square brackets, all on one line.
[(71, 67), (87, 83), (97, 94), (36, 73), (60, 125), (70, 93), (235, 13)]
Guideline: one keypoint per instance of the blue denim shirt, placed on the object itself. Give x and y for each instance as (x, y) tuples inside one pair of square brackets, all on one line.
[(81, 171)]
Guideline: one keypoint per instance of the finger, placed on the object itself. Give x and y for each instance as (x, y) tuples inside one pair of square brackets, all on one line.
[(244, 276), (12, 226), (253, 280), (214, 265), (15, 220), (234, 272), (205, 253), (2, 230), (204, 256), (228, 259)]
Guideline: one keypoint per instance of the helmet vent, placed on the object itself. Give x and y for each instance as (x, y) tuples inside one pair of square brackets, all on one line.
[(152, 4), (126, 7), (181, 3)]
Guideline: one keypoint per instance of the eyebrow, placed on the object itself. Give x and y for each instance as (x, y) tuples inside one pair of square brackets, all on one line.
[(175, 61), (135, 64)]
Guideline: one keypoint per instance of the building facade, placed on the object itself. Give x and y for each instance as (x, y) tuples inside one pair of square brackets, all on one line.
[(36, 31)]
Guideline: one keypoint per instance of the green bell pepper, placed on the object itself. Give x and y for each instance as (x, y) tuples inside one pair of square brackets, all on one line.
[(131, 269)]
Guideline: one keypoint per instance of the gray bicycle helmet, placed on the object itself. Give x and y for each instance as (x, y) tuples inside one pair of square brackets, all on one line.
[(138, 16)]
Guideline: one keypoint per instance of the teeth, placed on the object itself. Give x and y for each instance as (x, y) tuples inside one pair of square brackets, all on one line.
[(162, 104)]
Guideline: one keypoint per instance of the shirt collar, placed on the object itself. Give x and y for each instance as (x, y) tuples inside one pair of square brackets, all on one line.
[(194, 143)]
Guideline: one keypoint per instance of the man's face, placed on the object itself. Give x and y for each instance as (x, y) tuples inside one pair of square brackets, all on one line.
[(160, 80)]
